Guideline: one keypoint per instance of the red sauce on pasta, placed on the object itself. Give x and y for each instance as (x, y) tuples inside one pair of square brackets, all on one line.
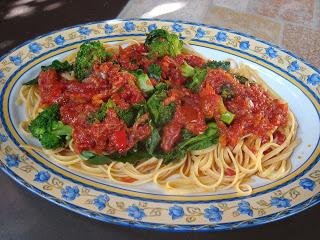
[(256, 112)]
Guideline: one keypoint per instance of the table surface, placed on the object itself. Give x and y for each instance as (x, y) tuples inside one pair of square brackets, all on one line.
[(24, 215)]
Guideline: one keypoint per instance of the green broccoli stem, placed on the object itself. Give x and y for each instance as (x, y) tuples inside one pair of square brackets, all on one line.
[(187, 70), (227, 117)]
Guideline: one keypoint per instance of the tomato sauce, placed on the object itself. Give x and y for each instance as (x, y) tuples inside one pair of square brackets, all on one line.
[(256, 112), (188, 115)]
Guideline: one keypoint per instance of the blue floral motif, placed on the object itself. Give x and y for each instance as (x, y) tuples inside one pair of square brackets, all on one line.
[(59, 40), (129, 26), (152, 27), (84, 31), (1, 74), (108, 29), (176, 212), (177, 27), (213, 214), (3, 138), (200, 33), (12, 160), (245, 208), (100, 201), (35, 47), (280, 202), (244, 45), (16, 60), (136, 212), (271, 52), (221, 36), (294, 66), (307, 183), (314, 79), (70, 193), (42, 176)]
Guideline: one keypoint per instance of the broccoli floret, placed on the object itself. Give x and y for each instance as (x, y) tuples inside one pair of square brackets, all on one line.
[(160, 43), (51, 141), (39, 125), (89, 53), (51, 132), (226, 92)]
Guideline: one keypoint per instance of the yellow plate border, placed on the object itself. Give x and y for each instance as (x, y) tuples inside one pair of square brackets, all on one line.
[(129, 193)]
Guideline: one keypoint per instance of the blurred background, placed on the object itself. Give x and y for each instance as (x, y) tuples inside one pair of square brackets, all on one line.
[(292, 24)]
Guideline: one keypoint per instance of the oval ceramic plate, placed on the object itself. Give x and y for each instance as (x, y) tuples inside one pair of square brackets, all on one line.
[(147, 206)]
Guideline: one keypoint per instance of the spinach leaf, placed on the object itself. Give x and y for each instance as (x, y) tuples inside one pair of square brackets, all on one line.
[(154, 140), (31, 82), (225, 65), (243, 80), (131, 114), (189, 142), (197, 79), (160, 113), (127, 115), (100, 114), (173, 155), (99, 160), (130, 157), (201, 141), (58, 66)]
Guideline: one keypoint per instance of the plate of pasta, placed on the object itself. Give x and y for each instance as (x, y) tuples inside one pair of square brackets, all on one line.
[(160, 124)]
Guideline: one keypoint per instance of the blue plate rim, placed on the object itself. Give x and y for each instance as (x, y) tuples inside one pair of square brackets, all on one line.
[(175, 228)]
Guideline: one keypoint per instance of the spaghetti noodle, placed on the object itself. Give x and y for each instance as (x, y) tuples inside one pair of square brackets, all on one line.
[(220, 166)]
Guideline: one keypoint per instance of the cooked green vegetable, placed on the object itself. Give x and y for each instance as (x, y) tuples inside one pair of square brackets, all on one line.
[(100, 114), (197, 79), (189, 142), (201, 141), (154, 140), (32, 82), (226, 92), (187, 70), (154, 71), (131, 157), (160, 113), (89, 53), (51, 132), (160, 43), (242, 79), (131, 114), (144, 82), (58, 66), (161, 86), (128, 115), (227, 117), (167, 157), (225, 65)]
